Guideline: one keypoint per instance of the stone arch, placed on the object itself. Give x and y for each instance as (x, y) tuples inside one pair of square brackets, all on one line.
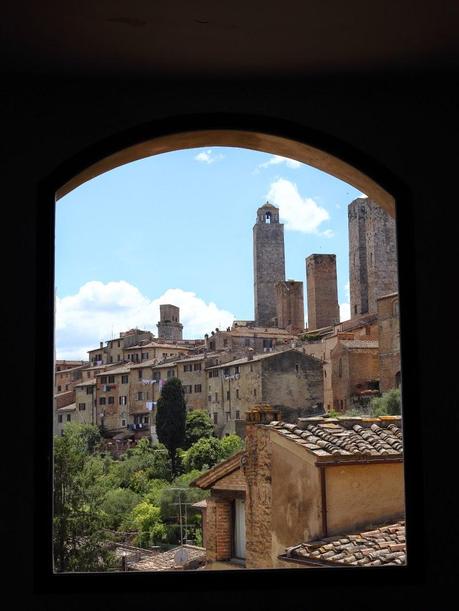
[(153, 140)]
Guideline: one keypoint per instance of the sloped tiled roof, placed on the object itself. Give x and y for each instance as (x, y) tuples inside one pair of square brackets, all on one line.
[(346, 438), (215, 473), (165, 561), (380, 546)]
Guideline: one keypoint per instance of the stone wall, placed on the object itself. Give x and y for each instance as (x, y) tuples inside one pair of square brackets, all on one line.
[(292, 383), (323, 308), (258, 505), (290, 305), (389, 342), (372, 255)]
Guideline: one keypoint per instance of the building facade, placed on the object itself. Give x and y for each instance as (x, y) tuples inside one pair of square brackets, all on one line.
[(389, 342)]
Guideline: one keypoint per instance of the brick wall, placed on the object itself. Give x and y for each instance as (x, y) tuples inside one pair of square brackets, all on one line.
[(219, 531)]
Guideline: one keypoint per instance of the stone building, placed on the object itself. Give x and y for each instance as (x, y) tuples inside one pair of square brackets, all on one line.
[(63, 416), (268, 263), (323, 307), (112, 394), (372, 255), (354, 372), (85, 402), (289, 380), (113, 351), (65, 378), (169, 325), (155, 350), (389, 342), (239, 338), (325, 340), (301, 482), (290, 306)]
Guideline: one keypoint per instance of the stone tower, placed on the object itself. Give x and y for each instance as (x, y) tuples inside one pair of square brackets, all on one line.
[(268, 263), (372, 255), (290, 305), (323, 307), (169, 326)]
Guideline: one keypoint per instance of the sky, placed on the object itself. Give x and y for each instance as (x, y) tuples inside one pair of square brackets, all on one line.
[(177, 228)]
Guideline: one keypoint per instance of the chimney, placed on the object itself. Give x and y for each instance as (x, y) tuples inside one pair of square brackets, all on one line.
[(101, 344), (250, 354), (261, 413)]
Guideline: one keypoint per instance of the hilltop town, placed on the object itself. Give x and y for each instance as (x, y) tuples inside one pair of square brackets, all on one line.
[(318, 480), (330, 366)]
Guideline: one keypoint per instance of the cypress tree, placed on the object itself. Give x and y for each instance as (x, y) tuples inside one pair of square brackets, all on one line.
[(171, 418)]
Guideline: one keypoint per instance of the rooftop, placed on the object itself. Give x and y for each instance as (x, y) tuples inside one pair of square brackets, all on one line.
[(165, 561), (258, 357), (346, 438), (119, 370), (384, 545), (67, 408), (90, 382)]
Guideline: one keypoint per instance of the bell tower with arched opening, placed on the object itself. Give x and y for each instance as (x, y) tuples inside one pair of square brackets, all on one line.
[(268, 263)]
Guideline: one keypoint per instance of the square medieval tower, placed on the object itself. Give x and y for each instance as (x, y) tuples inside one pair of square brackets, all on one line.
[(268, 263)]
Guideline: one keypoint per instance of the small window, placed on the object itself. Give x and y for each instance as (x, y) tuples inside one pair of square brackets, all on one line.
[(59, 389), (102, 401), (197, 366), (103, 379), (122, 400), (209, 398), (254, 392), (69, 417), (197, 388), (59, 418), (187, 368), (297, 368), (145, 419), (228, 395), (140, 396), (111, 400), (124, 379), (89, 390), (228, 415), (216, 397), (237, 393), (215, 418), (82, 407), (238, 415), (236, 369), (123, 422), (139, 371), (225, 342), (66, 387)]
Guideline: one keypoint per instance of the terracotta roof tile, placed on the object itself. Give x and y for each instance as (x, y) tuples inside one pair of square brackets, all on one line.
[(360, 548), (349, 437)]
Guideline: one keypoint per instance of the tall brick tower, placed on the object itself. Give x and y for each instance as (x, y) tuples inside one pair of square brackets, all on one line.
[(169, 326), (372, 255), (268, 263), (323, 307), (290, 305)]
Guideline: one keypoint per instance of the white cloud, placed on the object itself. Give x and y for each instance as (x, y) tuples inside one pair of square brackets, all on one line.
[(208, 156), (100, 310), (277, 159), (299, 213), (344, 311)]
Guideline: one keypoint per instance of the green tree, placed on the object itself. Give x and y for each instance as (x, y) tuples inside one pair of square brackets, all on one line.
[(117, 504), (78, 521), (204, 454), (387, 405), (198, 426), (171, 418), (231, 444), (146, 518)]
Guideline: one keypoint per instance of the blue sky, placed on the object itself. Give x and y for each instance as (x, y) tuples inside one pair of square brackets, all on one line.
[(177, 227)]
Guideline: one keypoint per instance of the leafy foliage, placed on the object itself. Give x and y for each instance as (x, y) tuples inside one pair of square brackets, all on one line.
[(171, 418), (78, 535), (387, 405), (204, 454), (198, 426), (231, 444), (146, 518)]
